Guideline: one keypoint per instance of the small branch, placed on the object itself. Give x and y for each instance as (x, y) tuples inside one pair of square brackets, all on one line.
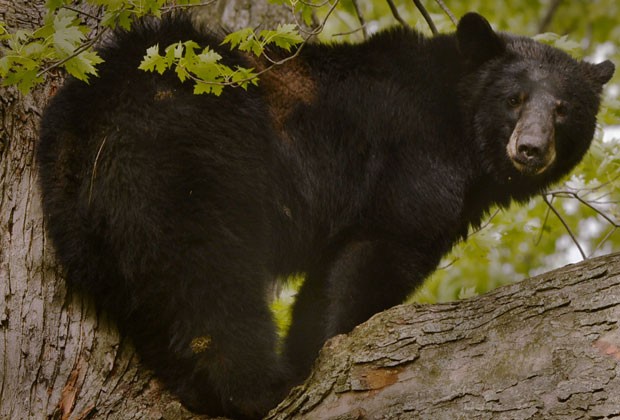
[(426, 16), (542, 227), (360, 17), (486, 223), (81, 12), (348, 32), (315, 5), (570, 232), (602, 241), (575, 195), (546, 21), (474, 232), (319, 26), (397, 15), (447, 11), (170, 8)]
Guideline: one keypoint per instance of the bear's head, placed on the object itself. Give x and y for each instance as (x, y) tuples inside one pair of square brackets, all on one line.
[(531, 108)]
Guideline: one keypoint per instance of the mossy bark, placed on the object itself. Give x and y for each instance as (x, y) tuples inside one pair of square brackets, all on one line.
[(547, 347)]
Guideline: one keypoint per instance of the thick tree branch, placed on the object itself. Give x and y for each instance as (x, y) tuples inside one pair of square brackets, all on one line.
[(547, 347)]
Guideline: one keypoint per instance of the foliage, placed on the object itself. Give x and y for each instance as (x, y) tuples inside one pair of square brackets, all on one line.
[(578, 218), (65, 40), (205, 67)]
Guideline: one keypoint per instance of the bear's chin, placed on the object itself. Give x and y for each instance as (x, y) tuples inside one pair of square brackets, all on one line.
[(533, 168)]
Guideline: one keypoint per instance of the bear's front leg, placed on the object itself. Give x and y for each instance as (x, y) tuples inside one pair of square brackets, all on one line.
[(362, 278), (369, 277)]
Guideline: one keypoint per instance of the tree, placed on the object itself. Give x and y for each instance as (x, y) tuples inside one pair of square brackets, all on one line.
[(62, 359)]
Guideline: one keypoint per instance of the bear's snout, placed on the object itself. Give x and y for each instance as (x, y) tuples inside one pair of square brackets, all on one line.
[(531, 147)]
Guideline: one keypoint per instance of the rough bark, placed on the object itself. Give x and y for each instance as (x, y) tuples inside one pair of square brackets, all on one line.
[(547, 347), (58, 357)]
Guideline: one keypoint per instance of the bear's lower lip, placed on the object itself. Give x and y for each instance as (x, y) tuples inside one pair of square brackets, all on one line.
[(530, 168)]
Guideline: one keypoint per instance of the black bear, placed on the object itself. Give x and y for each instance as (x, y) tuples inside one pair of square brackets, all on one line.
[(358, 165)]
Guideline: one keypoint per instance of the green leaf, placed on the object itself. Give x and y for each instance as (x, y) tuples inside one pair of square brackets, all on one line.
[(208, 56), (561, 42), (252, 45), (152, 7), (34, 49), (285, 36), (53, 5), (153, 61), (203, 87), (181, 72), (236, 38), (119, 17), (23, 79), (5, 66), (3, 32), (83, 65), (243, 77), (44, 31), (67, 36), (123, 19), (171, 52)]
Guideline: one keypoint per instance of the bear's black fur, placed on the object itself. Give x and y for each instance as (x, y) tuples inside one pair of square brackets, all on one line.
[(358, 165)]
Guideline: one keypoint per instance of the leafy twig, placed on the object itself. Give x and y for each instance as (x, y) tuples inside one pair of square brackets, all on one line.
[(77, 52), (274, 63)]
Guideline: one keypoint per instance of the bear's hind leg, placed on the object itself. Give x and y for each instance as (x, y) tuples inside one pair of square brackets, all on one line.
[(215, 348)]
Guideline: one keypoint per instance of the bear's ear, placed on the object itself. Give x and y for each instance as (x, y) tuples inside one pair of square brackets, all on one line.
[(599, 73), (477, 41)]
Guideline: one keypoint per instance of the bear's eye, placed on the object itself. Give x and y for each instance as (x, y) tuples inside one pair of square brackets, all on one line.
[(514, 101), (561, 109)]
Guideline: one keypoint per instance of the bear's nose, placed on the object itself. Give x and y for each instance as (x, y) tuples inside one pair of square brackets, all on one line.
[(529, 150)]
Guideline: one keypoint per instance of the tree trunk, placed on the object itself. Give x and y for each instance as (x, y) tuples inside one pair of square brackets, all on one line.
[(547, 347), (544, 347), (58, 357)]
